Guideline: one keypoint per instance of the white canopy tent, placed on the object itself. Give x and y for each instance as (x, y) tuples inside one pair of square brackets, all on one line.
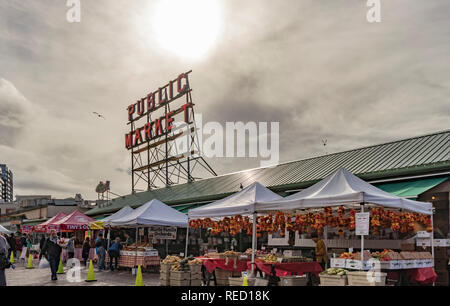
[(344, 188), (341, 188), (3, 230), (154, 212), (240, 203), (119, 214)]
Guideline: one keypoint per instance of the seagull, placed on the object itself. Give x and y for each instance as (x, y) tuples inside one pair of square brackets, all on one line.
[(100, 116)]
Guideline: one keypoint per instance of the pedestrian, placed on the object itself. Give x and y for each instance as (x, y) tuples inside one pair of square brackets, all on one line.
[(321, 250), (12, 244), (86, 249), (101, 251), (52, 251), (71, 247), (114, 253), (23, 242), (18, 248), (4, 261), (29, 245), (41, 245)]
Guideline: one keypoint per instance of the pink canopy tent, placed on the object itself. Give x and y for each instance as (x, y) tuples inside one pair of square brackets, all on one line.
[(76, 221), (49, 224)]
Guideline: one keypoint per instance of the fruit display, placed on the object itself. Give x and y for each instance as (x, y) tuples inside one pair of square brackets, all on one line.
[(230, 253), (367, 255), (257, 252), (270, 258), (347, 255), (195, 262), (141, 246), (381, 218), (181, 265), (335, 271), (171, 259), (415, 255), (386, 255)]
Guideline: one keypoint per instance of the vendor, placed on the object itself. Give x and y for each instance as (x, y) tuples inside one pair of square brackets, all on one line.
[(128, 240), (321, 250)]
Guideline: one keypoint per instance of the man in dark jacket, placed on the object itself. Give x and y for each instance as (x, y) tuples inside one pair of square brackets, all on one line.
[(12, 244), (41, 246), (52, 251)]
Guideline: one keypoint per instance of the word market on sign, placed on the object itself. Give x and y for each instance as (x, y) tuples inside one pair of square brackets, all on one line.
[(152, 102)]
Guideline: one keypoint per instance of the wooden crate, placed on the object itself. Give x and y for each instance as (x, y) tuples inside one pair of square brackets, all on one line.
[(164, 275), (164, 282), (165, 267), (293, 280), (180, 275), (333, 280), (179, 283), (195, 268), (223, 273), (238, 281), (195, 276), (196, 282), (361, 278)]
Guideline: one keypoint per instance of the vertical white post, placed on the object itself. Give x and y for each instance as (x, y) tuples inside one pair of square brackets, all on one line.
[(136, 242), (362, 242), (254, 243), (187, 241)]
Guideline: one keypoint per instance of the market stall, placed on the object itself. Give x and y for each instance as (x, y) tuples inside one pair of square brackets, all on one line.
[(153, 213), (241, 207), (76, 222), (48, 225), (4, 230), (345, 194)]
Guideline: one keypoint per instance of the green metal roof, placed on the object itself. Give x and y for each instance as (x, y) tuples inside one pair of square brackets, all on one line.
[(411, 189), (412, 156)]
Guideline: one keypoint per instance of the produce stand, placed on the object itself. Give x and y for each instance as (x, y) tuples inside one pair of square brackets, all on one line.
[(145, 259), (153, 213)]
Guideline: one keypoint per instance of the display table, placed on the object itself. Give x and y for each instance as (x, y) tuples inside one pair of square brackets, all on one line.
[(130, 261), (285, 269), (78, 254), (212, 264)]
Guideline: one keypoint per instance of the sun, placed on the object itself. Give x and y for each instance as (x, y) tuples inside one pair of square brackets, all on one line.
[(187, 28)]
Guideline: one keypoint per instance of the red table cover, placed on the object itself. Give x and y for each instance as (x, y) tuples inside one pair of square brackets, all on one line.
[(422, 275), (229, 265), (288, 268)]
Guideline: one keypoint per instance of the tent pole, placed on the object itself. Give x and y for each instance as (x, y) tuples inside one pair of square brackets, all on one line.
[(432, 237), (362, 243), (136, 242), (254, 243), (187, 241)]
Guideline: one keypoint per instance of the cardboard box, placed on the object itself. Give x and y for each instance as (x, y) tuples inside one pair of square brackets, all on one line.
[(408, 264), (360, 278), (164, 275), (179, 283), (164, 282), (293, 280), (195, 268), (196, 276)]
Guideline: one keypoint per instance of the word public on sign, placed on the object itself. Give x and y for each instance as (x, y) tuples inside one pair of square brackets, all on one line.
[(162, 125)]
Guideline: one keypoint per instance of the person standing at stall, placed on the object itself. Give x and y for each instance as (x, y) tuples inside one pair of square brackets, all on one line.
[(114, 253), (52, 251), (321, 250), (41, 246), (128, 240), (86, 249), (101, 251), (71, 247)]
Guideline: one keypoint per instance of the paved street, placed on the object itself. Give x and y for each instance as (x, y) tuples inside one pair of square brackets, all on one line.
[(41, 277)]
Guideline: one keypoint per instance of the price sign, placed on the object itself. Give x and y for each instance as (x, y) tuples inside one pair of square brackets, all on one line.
[(362, 221)]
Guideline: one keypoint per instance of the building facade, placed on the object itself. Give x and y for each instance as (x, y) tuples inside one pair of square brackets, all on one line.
[(6, 181)]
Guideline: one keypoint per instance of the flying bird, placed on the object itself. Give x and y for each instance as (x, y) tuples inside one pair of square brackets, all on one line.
[(100, 116)]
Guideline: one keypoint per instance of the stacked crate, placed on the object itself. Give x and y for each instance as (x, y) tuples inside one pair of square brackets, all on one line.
[(180, 278), (196, 274), (441, 265), (164, 273)]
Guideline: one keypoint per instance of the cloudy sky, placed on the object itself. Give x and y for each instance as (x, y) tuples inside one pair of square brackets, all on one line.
[(316, 66)]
